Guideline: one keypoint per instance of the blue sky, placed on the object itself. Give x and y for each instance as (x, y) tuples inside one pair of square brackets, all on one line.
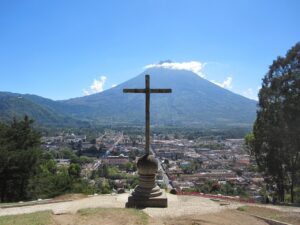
[(59, 49)]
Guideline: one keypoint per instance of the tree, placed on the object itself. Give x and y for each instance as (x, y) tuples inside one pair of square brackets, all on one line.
[(19, 155), (69, 154), (276, 133), (74, 170)]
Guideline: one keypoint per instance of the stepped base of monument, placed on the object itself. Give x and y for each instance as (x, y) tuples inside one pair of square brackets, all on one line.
[(143, 202)]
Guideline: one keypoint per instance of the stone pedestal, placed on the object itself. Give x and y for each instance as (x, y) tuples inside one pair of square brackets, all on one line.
[(147, 193)]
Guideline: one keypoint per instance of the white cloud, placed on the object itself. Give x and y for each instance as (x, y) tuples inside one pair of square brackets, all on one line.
[(85, 92), (97, 86), (193, 66), (249, 93), (227, 83)]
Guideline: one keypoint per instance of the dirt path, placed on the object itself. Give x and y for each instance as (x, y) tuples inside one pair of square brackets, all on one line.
[(180, 210), (178, 206), (102, 216), (225, 217), (109, 217), (104, 201), (188, 205)]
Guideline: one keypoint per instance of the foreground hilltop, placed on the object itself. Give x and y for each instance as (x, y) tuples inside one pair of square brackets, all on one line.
[(194, 101), (182, 210)]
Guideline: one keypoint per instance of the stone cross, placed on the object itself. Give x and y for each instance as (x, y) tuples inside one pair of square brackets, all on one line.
[(147, 90)]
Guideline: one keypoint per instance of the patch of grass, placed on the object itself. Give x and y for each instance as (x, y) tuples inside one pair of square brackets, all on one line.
[(85, 216), (5, 204), (38, 218), (143, 216), (135, 216), (288, 217), (241, 208), (262, 211)]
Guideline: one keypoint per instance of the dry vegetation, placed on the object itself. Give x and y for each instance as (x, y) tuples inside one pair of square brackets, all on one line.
[(288, 217), (117, 216), (38, 218), (226, 217), (86, 217)]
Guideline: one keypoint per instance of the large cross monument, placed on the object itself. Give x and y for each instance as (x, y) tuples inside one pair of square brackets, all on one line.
[(147, 193)]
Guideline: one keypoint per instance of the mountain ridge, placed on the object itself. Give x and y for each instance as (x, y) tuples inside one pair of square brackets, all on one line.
[(194, 102), (15, 105), (189, 91)]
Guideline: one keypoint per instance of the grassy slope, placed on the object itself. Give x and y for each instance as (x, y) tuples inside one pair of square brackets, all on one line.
[(85, 216), (138, 217), (38, 218), (288, 217)]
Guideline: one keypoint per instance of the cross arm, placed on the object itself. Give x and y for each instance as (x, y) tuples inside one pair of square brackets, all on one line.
[(161, 90), (154, 90), (135, 90)]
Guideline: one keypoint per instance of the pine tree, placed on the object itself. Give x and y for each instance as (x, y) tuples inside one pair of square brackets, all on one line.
[(18, 157)]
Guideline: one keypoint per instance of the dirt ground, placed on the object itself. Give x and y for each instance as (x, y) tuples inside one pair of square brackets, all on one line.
[(113, 217), (102, 216), (226, 217), (177, 206), (181, 210), (289, 216)]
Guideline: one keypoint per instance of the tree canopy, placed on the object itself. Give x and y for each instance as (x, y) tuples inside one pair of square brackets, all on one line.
[(276, 133), (27, 172), (18, 157)]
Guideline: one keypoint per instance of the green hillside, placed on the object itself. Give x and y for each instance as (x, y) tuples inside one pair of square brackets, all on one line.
[(17, 105), (194, 102)]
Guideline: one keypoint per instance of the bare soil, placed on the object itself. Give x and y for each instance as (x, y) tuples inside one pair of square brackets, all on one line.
[(103, 216), (291, 216), (127, 217), (226, 217), (181, 210)]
